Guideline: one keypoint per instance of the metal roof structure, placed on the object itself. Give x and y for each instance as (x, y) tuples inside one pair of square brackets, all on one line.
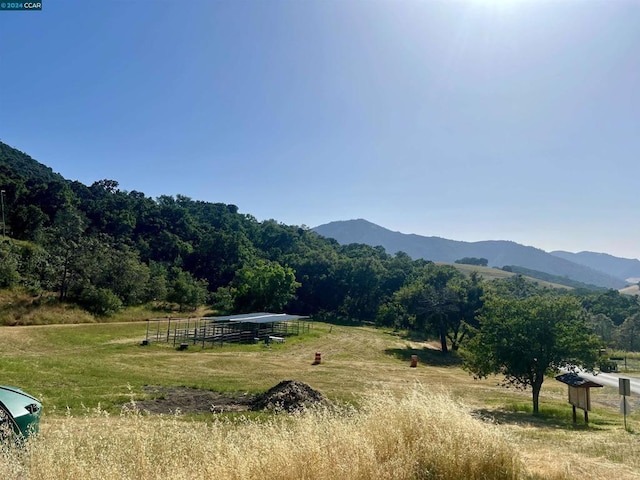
[(575, 380), (244, 328), (256, 318)]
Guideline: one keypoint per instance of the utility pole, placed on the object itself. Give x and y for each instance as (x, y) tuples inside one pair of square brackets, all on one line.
[(4, 225)]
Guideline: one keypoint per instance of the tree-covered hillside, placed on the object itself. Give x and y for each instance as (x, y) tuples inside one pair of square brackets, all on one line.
[(103, 248)]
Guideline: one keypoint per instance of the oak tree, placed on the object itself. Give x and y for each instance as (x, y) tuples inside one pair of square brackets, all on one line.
[(526, 339)]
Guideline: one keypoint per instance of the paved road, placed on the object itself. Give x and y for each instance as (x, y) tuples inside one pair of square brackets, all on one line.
[(611, 380)]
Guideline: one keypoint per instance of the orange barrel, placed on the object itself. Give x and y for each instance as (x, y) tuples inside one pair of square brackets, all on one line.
[(414, 361), (318, 358)]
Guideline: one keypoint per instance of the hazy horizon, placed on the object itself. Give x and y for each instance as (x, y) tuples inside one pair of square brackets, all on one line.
[(469, 120)]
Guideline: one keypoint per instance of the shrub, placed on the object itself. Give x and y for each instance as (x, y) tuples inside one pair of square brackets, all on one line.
[(100, 301)]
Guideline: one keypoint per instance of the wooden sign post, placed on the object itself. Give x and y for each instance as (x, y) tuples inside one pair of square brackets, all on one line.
[(579, 393)]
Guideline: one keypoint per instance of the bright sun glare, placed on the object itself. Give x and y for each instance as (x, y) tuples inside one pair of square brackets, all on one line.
[(501, 6), (497, 3)]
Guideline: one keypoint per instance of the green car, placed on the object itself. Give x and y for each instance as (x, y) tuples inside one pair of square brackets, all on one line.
[(19, 412)]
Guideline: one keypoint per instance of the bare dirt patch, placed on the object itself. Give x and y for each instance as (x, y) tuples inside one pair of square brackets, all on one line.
[(171, 400), (288, 396)]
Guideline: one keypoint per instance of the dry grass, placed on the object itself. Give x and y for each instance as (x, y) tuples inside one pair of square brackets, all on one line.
[(589, 454), (491, 273), (94, 364), (631, 290), (423, 435), (19, 308)]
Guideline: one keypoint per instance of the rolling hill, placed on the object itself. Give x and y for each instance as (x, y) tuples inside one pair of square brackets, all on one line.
[(437, 249), (631, 290), (491, 273), (625, 268)]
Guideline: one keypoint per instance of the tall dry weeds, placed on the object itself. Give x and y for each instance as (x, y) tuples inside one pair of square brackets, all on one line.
[(421, 436)]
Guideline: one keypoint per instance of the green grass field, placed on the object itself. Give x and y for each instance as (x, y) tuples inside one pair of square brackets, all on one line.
[(79, 369)]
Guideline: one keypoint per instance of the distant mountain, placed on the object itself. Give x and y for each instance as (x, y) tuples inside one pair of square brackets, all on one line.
[(625, 268), (498, 252)]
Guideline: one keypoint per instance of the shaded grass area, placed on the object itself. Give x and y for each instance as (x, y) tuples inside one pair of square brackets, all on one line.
[(551, 416)]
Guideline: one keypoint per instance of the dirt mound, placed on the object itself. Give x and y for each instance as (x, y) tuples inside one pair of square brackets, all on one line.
[(289, 396)]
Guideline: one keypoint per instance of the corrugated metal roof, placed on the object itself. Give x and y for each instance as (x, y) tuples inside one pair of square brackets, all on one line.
[(575, 380), (261, 317)]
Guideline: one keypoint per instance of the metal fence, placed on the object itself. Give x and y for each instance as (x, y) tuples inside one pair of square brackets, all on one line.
[(207, 331)]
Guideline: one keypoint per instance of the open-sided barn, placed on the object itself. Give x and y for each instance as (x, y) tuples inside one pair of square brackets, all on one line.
[(243, 328)]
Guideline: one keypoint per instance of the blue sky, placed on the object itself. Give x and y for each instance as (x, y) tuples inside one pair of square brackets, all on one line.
[(470, 120)]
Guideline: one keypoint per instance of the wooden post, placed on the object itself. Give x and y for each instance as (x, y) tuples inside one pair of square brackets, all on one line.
[(586, 417), (175, 331)]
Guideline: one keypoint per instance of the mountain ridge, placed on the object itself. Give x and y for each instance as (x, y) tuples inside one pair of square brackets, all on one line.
[(498, 252), (626, 268)]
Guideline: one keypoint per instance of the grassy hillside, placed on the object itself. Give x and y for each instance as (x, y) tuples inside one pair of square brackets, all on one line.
[(19, 308), (489, 273), (552, 278), (441, 420), (631, 290)]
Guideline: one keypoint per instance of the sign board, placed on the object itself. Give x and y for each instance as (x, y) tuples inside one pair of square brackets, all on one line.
[(580, 398), (624, 386)]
